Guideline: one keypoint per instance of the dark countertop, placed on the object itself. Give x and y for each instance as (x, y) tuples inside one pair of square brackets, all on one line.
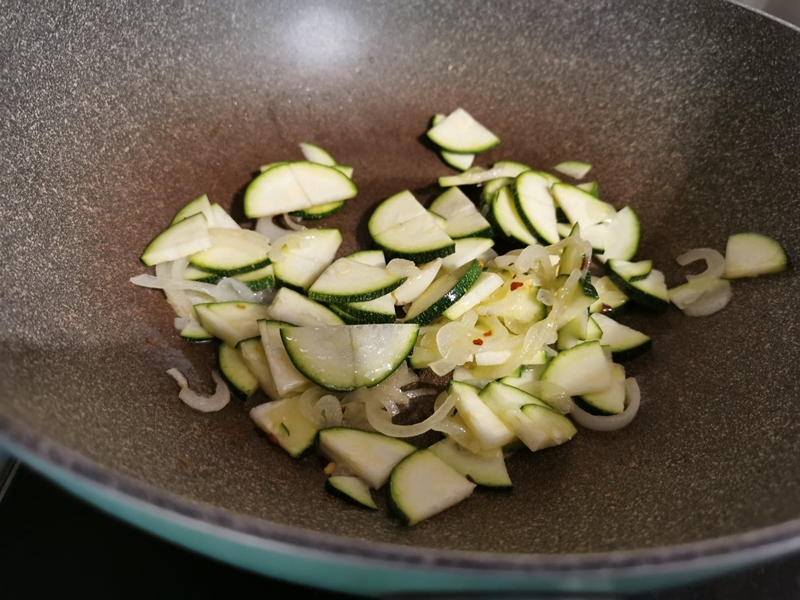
[(52, 542)]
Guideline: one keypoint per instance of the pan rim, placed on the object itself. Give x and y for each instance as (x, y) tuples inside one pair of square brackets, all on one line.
[(764, 542)]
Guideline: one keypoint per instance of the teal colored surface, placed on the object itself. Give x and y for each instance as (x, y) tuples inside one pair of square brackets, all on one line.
[(348, 574)]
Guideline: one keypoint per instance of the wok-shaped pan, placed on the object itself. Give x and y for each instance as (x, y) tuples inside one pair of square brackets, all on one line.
[(116, 114)]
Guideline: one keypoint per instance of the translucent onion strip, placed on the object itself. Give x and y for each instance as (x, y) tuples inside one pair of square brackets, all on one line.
[(213, 403), (612, 422), (292, 224), (715, 262), (382, 422), (266, 227)]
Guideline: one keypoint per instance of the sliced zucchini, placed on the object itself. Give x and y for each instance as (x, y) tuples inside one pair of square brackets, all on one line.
[(630, 271), (611, 300), (573, 168), (320, 211), (306, 254), (505, 215), (462, 162), (752, 254), (351, 489), (622, 236), (231, 322), (481, 422), (461, 217), (380, 310), (490, 189), (511, 166), (476, 176), (484, 287), (650, 291), (625, 343), (234, 371), (196, 206), (373, 258), (467, 250), (349, 357), (284, 422), (443, 293), (286, 377), (295, 186), (423, 485), (556, 428), (460, 132), (369, 455), (393, 211), (268, 166), (590, 187), (194, 332), (233, 251), (258, 280), (315, 154), (573, 333), (610, 401), (348, 280), (535, 206), (593, 330), (516, 305), (416, 284), (221, 219), (345, 170), (340, 310), (182, 239), (581, 207), (573, 256), (486, 469), (294, 308), (194, 274), (702, 296), (256, 360), (582, 369)]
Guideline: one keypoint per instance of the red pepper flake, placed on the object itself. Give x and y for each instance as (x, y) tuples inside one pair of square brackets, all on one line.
[(478, 342), (606, 309), (330, 469), (149, 342), (488, 334), (515, 285), (184, 462), (585, 263), (241, 306)]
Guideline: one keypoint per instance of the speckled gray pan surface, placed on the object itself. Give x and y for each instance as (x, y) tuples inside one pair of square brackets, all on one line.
[(113, 115)]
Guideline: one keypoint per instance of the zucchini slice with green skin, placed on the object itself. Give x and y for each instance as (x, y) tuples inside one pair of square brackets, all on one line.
[(573, 168), (315, 154), (194, 332), (481, 422), (380, 310), (625, 343), (487, 469), (194, 274), (622, 236), (294, 308), (535, 206), (415, 285), (583, 369), (630, 271), (462, 162), (284, 422), (306, 254), (610, 401), (611, 298), (256, 360), (478, 175), (268, 166), (319, 212), (295, 186), (340, 310), (650, 291), (352, 490), (460, 132), (484, 287), (556, 428), (443, 293), (581, 207), (394, 211), (573, 333), (286, 377), (348, 357), (232, 252), (258, 280), (221, 219), (752, 254), (515, 303), (452, 203), (590, 187), (423, 485), (373, 258), (508, 220), (196, 206), (348, 280), (466, 224), (185, 238), (234, 371), (467, 250), (490, 189), (231, 322), (368, 454)]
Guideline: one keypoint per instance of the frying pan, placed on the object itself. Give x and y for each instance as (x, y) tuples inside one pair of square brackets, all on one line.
[(116, 114)]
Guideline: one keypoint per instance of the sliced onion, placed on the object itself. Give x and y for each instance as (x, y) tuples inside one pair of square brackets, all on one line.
[(382, 422), (162, 283), (266, 227), (715, 262), (419, 392), (402, 268), (292, 224), (308, 399), (182, 322), (328, 411), (612, 422), (217, 401), (702, 297), (545, 296)]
